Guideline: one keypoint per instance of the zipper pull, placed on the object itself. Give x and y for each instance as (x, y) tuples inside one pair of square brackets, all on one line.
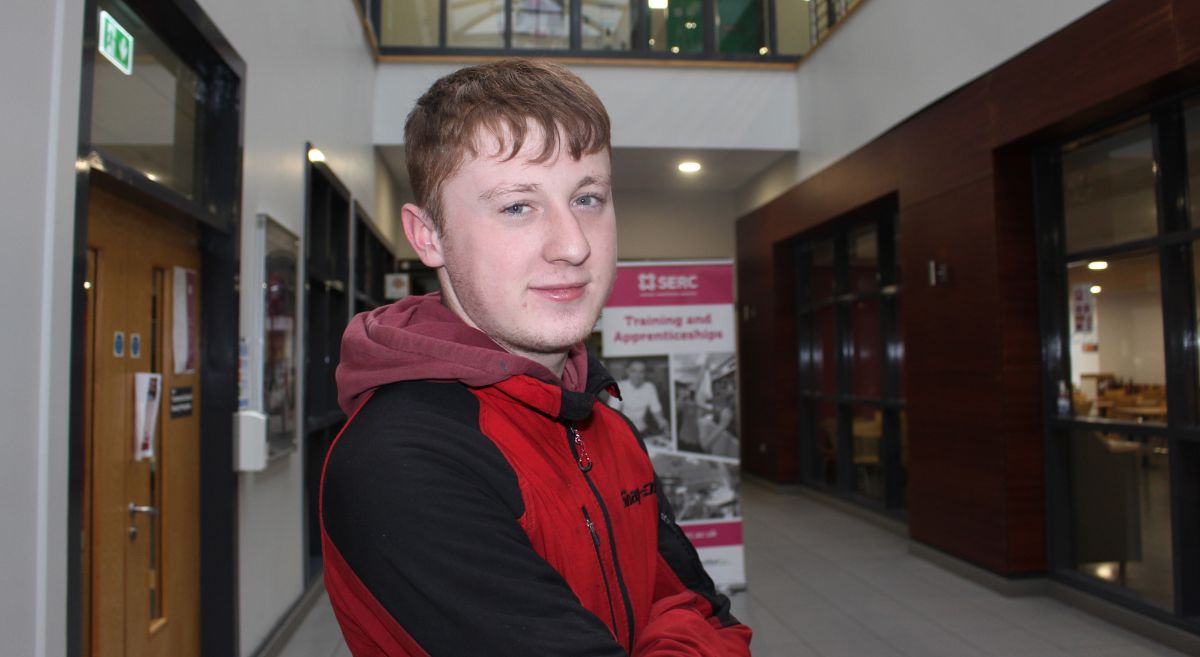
[(591, 527), (582, 458)]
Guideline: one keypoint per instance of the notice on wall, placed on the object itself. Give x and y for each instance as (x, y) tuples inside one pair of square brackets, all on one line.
[(184, 330), (147, 389), (668, 339)]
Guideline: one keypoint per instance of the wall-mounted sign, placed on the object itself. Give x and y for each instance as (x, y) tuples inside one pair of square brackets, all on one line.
[(397, 286), (181, 401), (116, 43), (119, 344), (135, 345)]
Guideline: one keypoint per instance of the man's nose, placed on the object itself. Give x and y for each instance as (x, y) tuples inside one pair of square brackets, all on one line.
[(565, 239)]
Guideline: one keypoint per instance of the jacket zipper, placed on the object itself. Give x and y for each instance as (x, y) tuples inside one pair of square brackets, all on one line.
[(612, 613), (584, 460)]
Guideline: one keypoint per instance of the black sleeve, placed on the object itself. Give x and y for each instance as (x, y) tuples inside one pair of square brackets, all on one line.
[(424, 509)]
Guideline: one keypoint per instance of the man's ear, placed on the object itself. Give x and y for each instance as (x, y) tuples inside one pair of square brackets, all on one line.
[(421, 234)]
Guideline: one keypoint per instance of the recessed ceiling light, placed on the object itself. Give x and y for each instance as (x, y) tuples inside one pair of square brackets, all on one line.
[(1098, 265), (152, 177), (656, 4), (1095, 289), (315, 155), (689, 167), (764, 50)]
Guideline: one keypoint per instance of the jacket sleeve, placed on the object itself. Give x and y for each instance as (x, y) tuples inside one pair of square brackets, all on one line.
[(689, 616), (425, 554)]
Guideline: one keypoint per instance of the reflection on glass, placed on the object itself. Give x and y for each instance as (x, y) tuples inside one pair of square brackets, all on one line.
[(1196, 291), (823, 280), (792, 31), (408, 22), (148, 120), (864, 259), (826, 430), (1192, 123), (824, 357), (1114, 318), (678, 27), (606, 25), (541, 24), (866, 366), (741, 27), (1121, 512), (866, 430), (280, 327), (475, 24), (1108, 188)]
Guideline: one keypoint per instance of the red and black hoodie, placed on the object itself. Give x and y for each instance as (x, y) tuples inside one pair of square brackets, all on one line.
[(476, 504)]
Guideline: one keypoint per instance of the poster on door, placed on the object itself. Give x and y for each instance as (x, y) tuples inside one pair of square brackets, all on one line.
[(667, 337), (147, 389)]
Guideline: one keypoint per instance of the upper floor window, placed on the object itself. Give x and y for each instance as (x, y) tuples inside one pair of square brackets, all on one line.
[(755, 30)]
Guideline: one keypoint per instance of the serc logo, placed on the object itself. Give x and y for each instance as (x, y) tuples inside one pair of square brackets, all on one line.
[(650, 282)]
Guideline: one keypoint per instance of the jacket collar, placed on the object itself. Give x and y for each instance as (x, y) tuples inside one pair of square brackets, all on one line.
[(556, 401)]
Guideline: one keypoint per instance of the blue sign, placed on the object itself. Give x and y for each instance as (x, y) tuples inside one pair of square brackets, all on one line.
[(135, 345), (119, 344)]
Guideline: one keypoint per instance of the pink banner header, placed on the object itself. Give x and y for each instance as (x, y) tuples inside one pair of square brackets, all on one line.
[(714, 534), (672, 285)]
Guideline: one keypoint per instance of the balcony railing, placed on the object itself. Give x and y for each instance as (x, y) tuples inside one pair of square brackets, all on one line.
[(706, 30)]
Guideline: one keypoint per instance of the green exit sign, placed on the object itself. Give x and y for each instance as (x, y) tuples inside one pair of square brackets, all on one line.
[(116, 43)]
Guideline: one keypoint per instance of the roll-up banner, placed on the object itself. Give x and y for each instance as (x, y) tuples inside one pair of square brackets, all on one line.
[(667, 338)]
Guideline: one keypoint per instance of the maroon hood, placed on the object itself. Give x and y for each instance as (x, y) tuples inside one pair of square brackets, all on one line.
[(417, 338)]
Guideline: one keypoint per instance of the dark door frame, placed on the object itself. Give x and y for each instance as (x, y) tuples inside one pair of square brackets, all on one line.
[(199, 43)]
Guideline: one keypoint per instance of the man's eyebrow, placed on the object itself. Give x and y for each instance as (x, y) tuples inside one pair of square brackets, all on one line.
[(500, 190), (594, 180)]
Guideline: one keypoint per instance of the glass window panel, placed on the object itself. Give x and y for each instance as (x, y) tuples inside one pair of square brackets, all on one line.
[(823, 278), (792, 27), (541, 24), (606, 25), (1121, 512), (825, 429), (1115, 325), (866, 430), (676, 27), (1108, 188), (825, 349), (149, 119), (864, 259), (1192, 122), (279, 339), (409, 22), (475, 23), (866, 366), (741, 27)]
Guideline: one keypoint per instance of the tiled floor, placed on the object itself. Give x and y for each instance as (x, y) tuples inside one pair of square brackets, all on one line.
[(823, 583)]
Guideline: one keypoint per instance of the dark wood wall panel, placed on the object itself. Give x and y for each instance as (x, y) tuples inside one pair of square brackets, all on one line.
[(1116, 48), (961, 172)]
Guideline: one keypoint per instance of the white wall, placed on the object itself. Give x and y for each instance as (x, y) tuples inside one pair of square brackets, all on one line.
[(309, 77), (39, 62), (649, 107), (656, 225), (893, 58)]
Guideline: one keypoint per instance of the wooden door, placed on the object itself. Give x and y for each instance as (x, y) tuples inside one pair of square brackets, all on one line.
[(143, 533)]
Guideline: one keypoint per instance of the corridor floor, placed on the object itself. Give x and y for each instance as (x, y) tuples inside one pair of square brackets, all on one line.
[(822, 583)]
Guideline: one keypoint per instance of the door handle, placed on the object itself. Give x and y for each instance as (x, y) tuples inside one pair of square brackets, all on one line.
[(135, 509)]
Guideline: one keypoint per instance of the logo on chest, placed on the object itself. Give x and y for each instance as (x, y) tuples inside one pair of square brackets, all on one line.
[(635, 496)]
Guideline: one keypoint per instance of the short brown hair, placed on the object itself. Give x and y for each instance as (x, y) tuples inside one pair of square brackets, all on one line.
[(503, 97)]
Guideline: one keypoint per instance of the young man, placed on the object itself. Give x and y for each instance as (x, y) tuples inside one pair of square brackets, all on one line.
[(480, 499), (639, 397)]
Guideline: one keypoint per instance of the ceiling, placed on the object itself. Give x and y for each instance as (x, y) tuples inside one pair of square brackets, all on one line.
[(643, 169)]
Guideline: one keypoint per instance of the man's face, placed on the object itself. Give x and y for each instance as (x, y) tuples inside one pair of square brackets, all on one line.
[(529, 249), (636, 372)]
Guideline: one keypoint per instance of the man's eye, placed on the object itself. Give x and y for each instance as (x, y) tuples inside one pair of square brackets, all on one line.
[(590, 200), (516, 209)]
